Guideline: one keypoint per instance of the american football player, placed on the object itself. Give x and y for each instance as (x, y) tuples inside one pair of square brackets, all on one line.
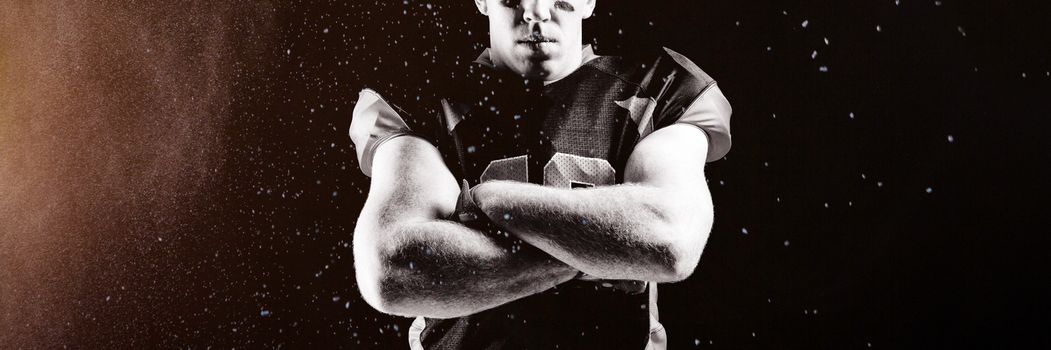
[(546, 196)]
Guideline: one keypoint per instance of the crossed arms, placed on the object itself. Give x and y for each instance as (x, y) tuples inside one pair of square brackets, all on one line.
[(411, 262)]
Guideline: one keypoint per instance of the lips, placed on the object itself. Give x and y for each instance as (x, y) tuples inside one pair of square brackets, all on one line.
[(536, 39)]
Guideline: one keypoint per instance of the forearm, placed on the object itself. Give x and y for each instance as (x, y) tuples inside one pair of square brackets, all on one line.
[(617, 232), (443, 269)]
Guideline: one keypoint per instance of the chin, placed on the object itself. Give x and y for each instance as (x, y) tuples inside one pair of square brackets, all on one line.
[(536, 56), (532, 72), (539, 67)]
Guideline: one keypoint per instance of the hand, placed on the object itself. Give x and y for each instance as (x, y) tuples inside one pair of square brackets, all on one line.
[(467, 210)]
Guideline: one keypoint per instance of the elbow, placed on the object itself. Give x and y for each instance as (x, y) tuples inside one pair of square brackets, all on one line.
[(683, 262), (381, 295), (681, 252), (376, 277), (383, 289), (378, 300), (376, 286), (394, 287), (393, 296), (687, 232)]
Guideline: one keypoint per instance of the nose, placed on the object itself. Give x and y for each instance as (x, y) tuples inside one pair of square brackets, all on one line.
[(536, 11)]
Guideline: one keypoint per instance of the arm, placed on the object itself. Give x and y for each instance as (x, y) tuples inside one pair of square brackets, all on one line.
[(409, 262), (652, 228)]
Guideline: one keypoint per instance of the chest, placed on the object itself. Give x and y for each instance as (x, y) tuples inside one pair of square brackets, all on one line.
[(578, 133)]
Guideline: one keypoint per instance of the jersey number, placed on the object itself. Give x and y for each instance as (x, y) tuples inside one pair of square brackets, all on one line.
[(563, 170)]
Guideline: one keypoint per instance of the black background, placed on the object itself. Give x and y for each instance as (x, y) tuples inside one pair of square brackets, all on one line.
[(890, 199)]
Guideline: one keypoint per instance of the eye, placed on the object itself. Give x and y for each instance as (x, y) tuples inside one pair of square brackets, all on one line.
[(564, 6), (510, 3)]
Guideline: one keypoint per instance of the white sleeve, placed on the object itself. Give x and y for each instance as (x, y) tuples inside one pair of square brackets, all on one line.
[(711, 112), (374, 122)]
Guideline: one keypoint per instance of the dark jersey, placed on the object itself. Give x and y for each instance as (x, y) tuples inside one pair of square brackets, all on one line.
[(576, 132)]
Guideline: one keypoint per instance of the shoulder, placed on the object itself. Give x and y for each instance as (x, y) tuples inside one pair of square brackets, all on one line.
[(681, 65), (656, 71), (377, 118), (681, 93)]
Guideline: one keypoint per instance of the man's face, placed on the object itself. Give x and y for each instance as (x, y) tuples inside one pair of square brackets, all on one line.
[(538, 39)]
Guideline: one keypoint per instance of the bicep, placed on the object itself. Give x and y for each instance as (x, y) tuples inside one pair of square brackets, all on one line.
[(671, 158), (410, 184)]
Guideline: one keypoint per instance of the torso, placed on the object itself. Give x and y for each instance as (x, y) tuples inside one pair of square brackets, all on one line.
[(577, 132)]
